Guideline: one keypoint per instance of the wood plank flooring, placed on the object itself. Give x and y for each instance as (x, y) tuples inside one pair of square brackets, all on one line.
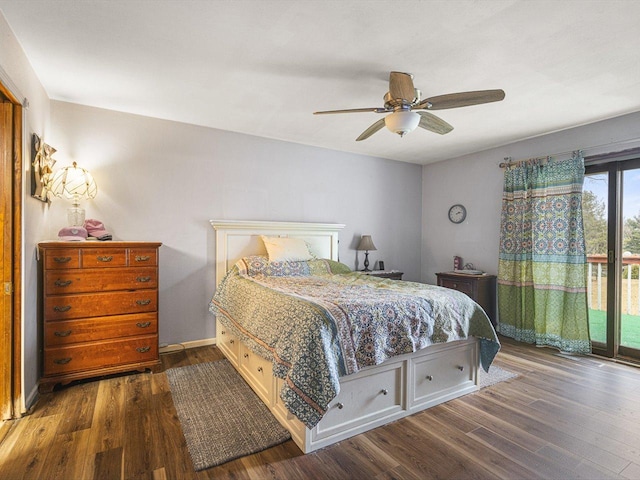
[(563, 417)]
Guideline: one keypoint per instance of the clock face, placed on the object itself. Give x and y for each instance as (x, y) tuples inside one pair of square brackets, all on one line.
[(457, 213)]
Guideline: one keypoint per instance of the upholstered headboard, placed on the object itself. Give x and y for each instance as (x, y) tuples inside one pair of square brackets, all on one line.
[(238, 238)]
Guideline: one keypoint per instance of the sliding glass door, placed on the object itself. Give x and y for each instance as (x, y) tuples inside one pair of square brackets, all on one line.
[(611, 214)]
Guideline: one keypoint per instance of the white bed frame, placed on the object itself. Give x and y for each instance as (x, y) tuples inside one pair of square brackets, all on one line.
[(368, 399)]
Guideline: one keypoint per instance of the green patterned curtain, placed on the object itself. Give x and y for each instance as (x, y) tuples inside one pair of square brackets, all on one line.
[(542, 274)]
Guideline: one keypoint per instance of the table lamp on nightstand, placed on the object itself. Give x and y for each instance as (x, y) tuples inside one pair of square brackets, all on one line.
[(366, 244)]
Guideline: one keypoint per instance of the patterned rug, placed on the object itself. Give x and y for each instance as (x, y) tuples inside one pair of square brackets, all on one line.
[(495, 375), (221, 418)]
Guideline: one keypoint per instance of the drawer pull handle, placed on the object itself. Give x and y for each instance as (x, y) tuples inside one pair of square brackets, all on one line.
[(384, 391), (339, 405), (143, 279), (143, 349), (63, 283), (62, 361), (64, 333), (63, 308), (246, 355), (142, 258), (223, 332), (461, 368), (143, 302), (260, 369), (61, 259), (143, 324), (104, 258), (455, 285), (232, 342), (429, 377)]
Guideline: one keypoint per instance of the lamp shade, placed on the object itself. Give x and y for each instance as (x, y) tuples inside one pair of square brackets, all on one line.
[(402, 122), (366, 243), (73, 183)]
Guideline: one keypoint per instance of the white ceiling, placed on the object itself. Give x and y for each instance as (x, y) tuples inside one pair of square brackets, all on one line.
[(262, 67)]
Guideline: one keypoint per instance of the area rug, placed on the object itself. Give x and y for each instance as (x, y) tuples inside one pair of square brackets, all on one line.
[(495, 375), (221, 418)]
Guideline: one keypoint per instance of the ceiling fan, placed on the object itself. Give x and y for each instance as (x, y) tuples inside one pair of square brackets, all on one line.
[(403, 98)]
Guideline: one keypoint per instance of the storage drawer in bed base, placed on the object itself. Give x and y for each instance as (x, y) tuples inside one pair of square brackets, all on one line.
[(372, 397)]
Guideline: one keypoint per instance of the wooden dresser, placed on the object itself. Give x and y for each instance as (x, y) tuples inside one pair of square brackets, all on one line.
[(99, 309), (481, 288)]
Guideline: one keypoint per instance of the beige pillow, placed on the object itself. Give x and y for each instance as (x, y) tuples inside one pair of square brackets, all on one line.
[(282, 249)]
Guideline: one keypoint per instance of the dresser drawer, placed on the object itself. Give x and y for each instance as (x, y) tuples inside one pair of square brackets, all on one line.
[(64, 307), (91, 279), (438, 374), (227, 343), (363, 398), (260, 372), (85, 356), (463, 286), (142, 257), (62, 258), (67, 332), (104, 257)]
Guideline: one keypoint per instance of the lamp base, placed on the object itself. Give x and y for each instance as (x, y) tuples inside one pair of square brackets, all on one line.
[(75, 216), (366, 262)]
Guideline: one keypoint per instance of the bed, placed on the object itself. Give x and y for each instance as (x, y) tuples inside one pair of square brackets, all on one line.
[(302, 332)]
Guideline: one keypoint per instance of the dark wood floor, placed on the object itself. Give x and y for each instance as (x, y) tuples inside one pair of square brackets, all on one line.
[(561, 418)]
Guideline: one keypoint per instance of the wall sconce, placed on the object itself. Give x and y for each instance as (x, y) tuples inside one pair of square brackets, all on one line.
[(74, 183), (366, 244)]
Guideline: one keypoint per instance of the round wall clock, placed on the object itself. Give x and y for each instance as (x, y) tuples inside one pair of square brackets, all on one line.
[(457, 213)]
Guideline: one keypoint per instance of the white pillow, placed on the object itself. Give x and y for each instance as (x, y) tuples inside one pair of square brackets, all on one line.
[(282, 249)]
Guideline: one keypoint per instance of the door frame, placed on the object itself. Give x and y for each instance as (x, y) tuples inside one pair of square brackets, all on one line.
[(11, 267)]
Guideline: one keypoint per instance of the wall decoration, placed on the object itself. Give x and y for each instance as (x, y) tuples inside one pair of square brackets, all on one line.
[(41, 168)]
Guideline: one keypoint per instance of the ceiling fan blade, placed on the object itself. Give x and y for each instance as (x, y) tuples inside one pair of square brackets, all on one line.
[(430, 122), (401, 86), (371, 130), (462, 99), (355, 110)]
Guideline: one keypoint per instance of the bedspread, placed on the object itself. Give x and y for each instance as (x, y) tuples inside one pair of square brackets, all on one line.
[(316, 326)]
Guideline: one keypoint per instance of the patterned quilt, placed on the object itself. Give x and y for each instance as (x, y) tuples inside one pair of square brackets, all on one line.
[(317, 325)]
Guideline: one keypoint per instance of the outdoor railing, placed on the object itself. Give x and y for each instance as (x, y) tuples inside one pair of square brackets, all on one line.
[(597, 286)]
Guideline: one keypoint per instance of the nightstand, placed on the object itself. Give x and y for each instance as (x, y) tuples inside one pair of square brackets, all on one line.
[(391, 274), (481, 289)]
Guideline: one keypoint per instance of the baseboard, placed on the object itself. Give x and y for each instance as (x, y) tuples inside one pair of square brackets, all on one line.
[(174, 347)]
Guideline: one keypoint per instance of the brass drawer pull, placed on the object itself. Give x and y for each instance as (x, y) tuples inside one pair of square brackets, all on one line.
[(64, 308), (143, 279), (260, 369), (429, 377), (104, 258), (62, 361), (461, 368), (246, 355), (339, 405), (142, 258), (63, 283), (143, 324), (61, 259), (143, 302), (143, 349), (64, 333), (384, 391)]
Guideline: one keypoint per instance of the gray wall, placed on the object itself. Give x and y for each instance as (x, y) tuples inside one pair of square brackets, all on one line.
[(163, 181), (476, 182)]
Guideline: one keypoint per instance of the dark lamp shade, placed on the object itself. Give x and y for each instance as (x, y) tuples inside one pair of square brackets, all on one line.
[(366, 243)]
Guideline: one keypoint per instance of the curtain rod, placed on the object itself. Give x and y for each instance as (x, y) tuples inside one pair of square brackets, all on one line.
[(594, 158)]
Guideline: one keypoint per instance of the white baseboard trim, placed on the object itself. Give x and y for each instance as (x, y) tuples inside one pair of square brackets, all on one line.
[(175, 347)]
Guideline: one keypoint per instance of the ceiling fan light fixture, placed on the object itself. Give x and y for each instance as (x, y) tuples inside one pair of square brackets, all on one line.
[(402, 122)]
